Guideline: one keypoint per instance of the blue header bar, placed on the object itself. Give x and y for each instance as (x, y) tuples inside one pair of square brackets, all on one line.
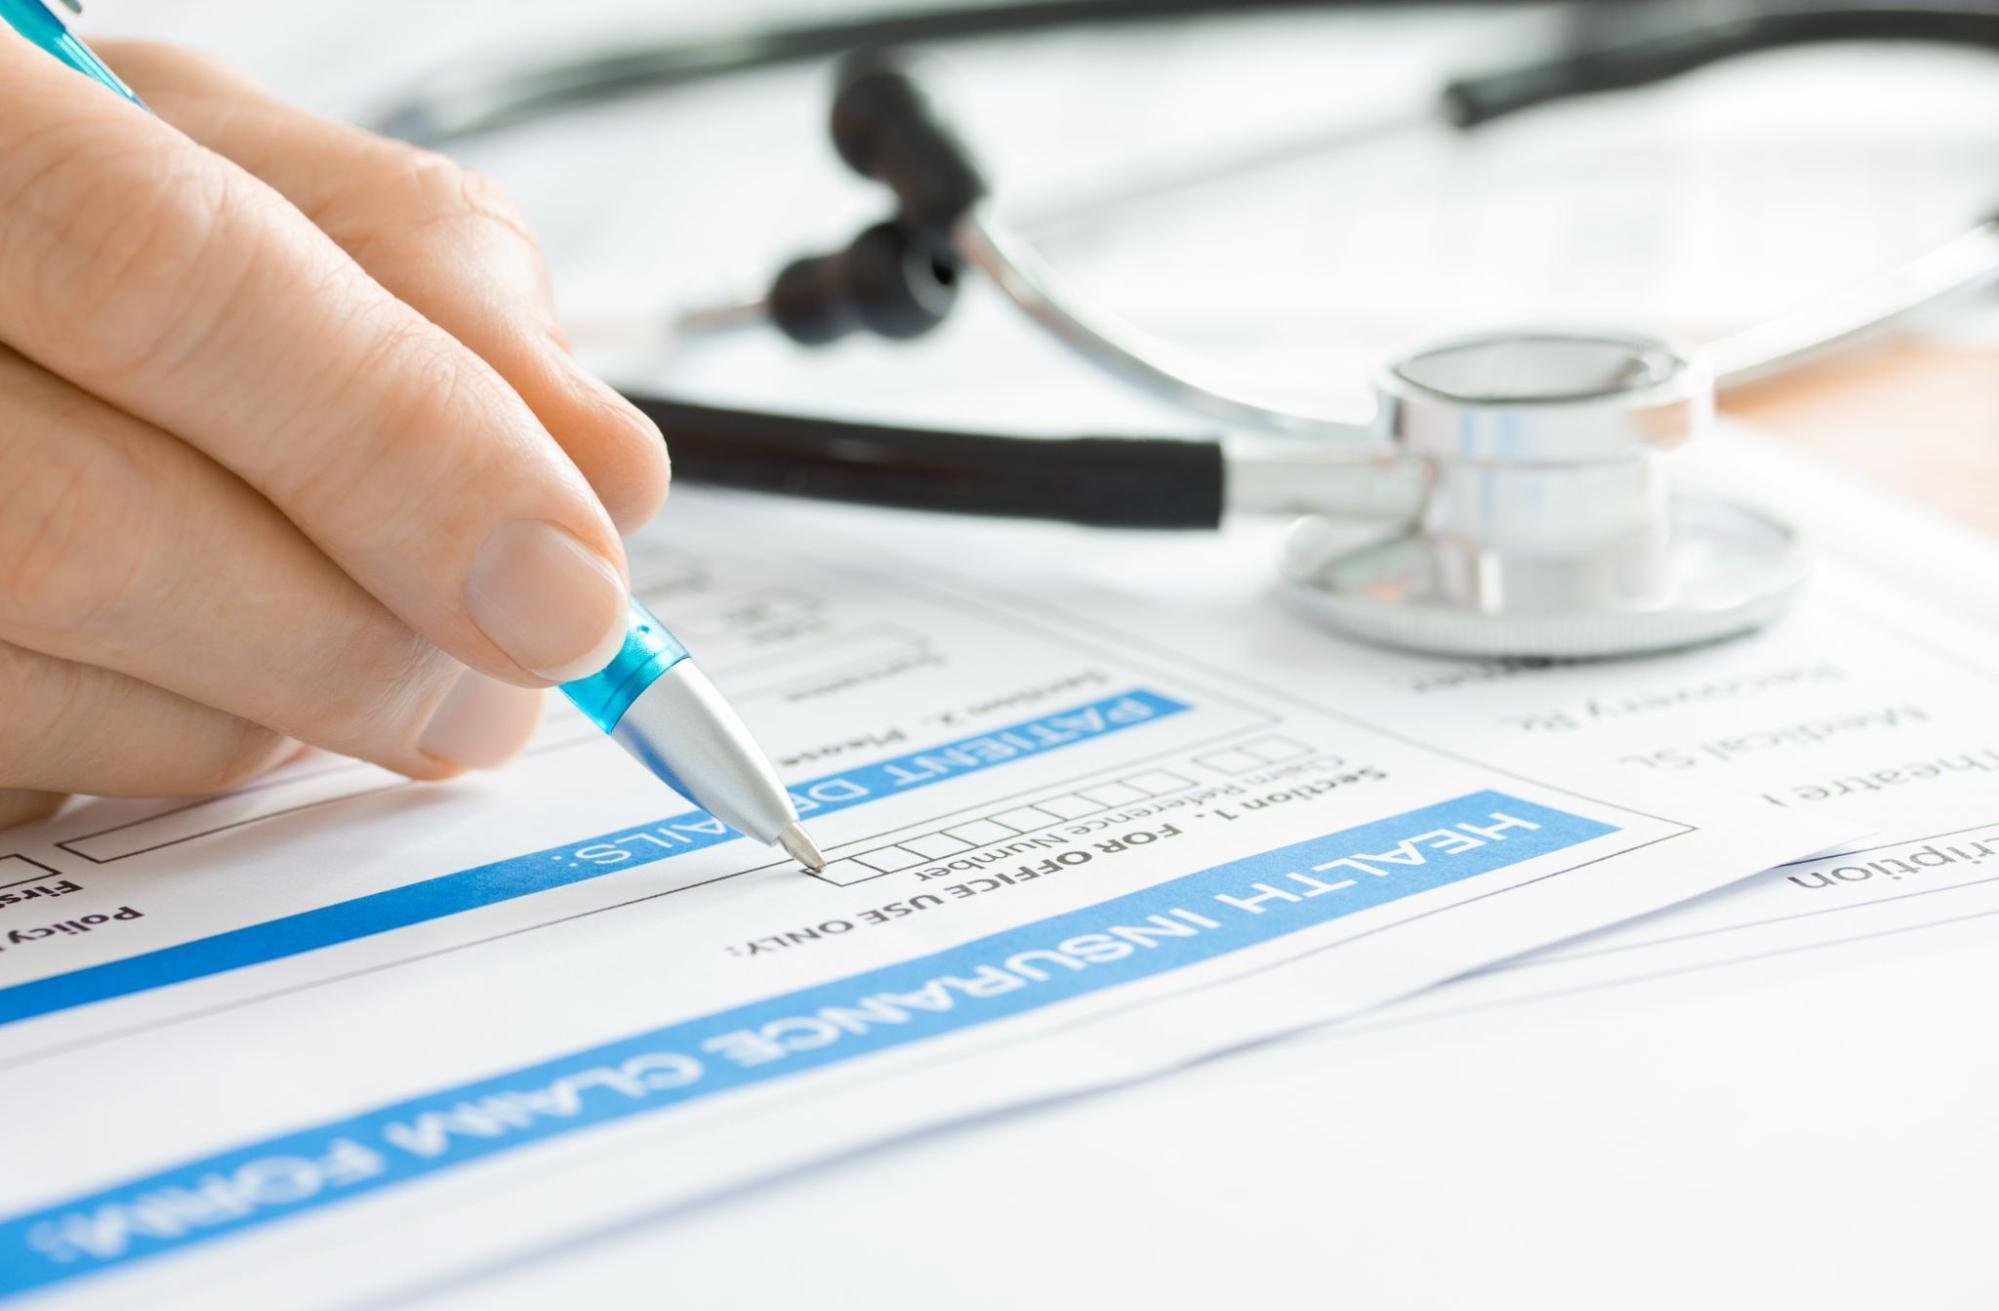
[(1125, 940), (538, 871)]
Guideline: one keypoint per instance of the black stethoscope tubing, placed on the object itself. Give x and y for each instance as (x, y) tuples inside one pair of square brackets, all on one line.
[(1103, 481), (1100, 482)]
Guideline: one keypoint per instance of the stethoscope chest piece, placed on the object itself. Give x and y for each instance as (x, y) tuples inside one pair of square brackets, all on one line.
[(1551, 527)]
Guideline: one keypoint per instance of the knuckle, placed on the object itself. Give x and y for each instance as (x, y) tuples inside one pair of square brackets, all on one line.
[(424, 192), (418, 441), (134, 252), (446, 190)]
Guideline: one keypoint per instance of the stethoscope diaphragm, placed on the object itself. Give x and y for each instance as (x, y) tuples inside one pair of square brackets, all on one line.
[(1551, 526)]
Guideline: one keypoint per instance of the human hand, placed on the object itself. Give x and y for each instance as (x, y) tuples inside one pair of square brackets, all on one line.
[(291, 447)]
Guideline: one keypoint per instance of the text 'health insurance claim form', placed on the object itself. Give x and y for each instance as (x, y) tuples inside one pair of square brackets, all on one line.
[(1776, 1094), (356, 1034)]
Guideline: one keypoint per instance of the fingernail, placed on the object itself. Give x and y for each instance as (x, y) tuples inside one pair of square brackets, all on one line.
[(554, 606), (481, 723)]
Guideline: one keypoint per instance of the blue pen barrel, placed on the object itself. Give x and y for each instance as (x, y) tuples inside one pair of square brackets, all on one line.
[(34, 20), (649, 651)]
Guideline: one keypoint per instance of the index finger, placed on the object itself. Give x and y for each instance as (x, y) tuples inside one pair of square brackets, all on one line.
[(161, 277), (441, 238)]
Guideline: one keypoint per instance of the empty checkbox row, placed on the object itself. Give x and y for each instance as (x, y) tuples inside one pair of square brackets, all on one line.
[(1242, 758), (1023, 819)]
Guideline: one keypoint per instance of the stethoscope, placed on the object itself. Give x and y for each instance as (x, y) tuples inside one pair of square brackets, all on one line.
[(1523, 474)]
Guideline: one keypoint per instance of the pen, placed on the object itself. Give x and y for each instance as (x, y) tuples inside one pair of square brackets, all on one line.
[(651, 698), (34, 20), (658, 705)]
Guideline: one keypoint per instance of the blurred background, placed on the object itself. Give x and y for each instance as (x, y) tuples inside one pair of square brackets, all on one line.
[(1691, 209)]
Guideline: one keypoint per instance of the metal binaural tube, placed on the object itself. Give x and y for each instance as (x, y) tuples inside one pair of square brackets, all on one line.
[(1962, 264), (1121, 350)]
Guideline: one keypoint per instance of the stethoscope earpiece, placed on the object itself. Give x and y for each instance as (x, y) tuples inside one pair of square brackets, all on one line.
[(886, 128), (1522, 475), (1547, 522), (892, 280), (899, 278)]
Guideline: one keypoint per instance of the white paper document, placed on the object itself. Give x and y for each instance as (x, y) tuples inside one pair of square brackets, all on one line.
[(353, 1034), (1878, 703), (1100, 808), (1774, 1094)]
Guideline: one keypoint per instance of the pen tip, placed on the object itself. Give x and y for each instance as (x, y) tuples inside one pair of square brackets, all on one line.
[(801, 848)]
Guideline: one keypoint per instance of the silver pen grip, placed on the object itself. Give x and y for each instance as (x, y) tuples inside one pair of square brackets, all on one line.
[(681, 729)]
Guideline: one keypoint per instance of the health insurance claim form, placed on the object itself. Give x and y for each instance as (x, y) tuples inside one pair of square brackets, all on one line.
[(1776, 1094), (337, 1034)]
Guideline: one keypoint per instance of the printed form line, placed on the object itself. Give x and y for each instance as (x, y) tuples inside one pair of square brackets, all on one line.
[(539, 871), (1176, 924)]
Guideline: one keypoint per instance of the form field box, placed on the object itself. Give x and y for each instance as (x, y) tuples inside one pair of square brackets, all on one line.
[(980, 832), (932, 845), (827, 658), (1113, 794), (282, 794), (887, 860), (722, 618), (845, 873), (1069, 807), (16, 870), (1026, 819), (1232, 760), (1158, 782), (1273, 749)]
